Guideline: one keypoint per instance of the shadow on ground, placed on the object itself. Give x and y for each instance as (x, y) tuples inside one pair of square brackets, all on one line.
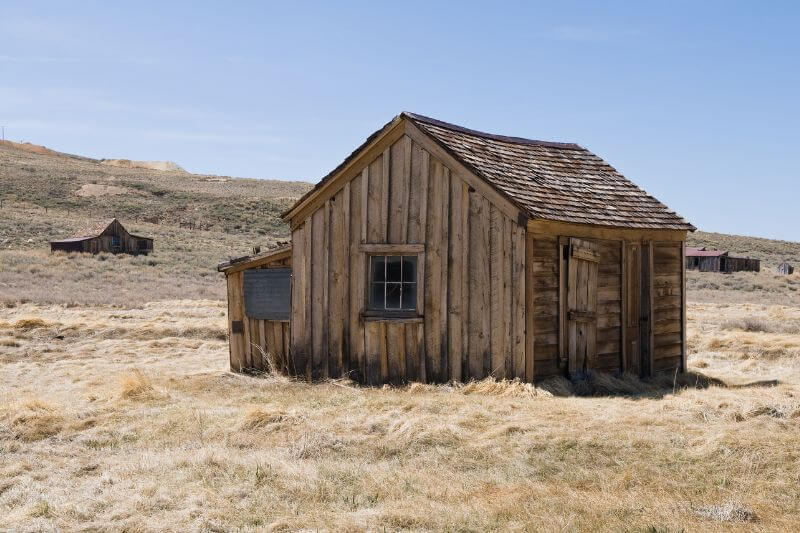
[(599, 384)]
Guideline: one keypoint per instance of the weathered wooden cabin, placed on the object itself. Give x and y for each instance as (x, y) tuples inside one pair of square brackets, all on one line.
[(719, 261), (436, 253), (786, 269), (110, 237)]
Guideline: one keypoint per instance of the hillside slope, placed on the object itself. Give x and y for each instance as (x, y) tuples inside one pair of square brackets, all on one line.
[(196, 220), (93, 189)]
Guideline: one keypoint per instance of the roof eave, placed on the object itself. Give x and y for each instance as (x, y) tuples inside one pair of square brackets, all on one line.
[(250, 261)]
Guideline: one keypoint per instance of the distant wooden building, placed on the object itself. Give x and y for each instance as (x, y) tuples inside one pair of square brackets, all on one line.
[(785, 269), (719, 261), (109, 237), (437, 253)]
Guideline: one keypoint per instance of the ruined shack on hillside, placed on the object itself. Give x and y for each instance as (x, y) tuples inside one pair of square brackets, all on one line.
[(786, 269), (437, 253), (109, 236), (719, 261)]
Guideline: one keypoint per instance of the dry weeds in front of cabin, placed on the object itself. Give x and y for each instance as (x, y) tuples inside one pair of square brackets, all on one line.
[(503, 388), (136, 426)]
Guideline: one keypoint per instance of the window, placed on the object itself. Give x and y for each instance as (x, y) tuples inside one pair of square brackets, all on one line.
[(268, 293), (116, 242), (393, 283)]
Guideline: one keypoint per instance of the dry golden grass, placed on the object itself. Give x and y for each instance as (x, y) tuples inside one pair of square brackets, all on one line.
[(119, 419)]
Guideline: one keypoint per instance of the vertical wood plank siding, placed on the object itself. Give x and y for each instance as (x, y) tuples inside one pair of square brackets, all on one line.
[(472, 278), (667, 306)]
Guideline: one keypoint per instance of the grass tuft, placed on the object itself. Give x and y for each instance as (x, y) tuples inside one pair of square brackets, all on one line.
[(135, 385), (36, 420)]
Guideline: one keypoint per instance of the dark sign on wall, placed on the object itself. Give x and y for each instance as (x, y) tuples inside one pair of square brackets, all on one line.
[(267, 293)]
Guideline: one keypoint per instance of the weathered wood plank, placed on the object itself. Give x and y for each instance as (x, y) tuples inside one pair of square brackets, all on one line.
[(423, 221), (465, 270), (385, 182), (683, 307), (396, 352), (357, 277), (479, 287), (508, 342), (374, 211), (415, 193), (445, 277), (518, 288), (336, 294), (235, 307), (398, 192), (454, 295), (433, 275), (319, 253), (412, 354), (531, 307), (496, 271), (374, 341)]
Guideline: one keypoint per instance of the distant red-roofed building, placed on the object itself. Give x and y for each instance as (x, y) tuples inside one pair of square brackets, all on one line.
[(719, 261)]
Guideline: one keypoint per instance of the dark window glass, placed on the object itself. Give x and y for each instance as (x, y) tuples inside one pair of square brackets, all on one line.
[(394, 268), (393, 296), (377, 295), (393, 283), (409, 269), (378, 268)]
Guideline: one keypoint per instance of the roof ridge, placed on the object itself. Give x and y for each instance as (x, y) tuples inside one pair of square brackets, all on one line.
[(493, 136)]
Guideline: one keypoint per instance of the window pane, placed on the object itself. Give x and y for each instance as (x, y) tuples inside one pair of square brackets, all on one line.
[(376, 296), (410, 268), (378, 265), (410, 296), (393, 263), (393, 296)]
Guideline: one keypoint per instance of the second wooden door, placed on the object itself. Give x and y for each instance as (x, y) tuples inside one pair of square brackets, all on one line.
[(581, 306)]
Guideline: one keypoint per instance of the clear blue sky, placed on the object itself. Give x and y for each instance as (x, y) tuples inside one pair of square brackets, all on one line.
[(697, 102)]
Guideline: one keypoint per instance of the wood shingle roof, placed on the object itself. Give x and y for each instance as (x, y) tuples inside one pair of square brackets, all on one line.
[(553, 181), (561, 182)]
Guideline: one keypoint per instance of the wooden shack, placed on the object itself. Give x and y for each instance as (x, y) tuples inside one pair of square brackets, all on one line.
[(110, 236), (786, 269), (437, 253), (259, 310), (719, 261)]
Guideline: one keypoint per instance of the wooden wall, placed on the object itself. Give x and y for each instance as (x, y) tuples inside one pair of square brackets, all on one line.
[(471, 273), (258, 340), (668, 305), (547, 269)]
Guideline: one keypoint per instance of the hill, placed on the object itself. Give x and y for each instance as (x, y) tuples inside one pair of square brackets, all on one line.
[(196, 220)]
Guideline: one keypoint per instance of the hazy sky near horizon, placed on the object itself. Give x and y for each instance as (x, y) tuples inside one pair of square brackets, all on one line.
[(697, 102)]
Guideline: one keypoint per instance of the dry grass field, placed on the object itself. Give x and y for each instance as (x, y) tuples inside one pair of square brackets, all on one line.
[(118, 412), (127, 419)]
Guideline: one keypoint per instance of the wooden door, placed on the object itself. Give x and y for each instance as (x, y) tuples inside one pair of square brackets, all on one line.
[(633, 290), (581, 306)]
